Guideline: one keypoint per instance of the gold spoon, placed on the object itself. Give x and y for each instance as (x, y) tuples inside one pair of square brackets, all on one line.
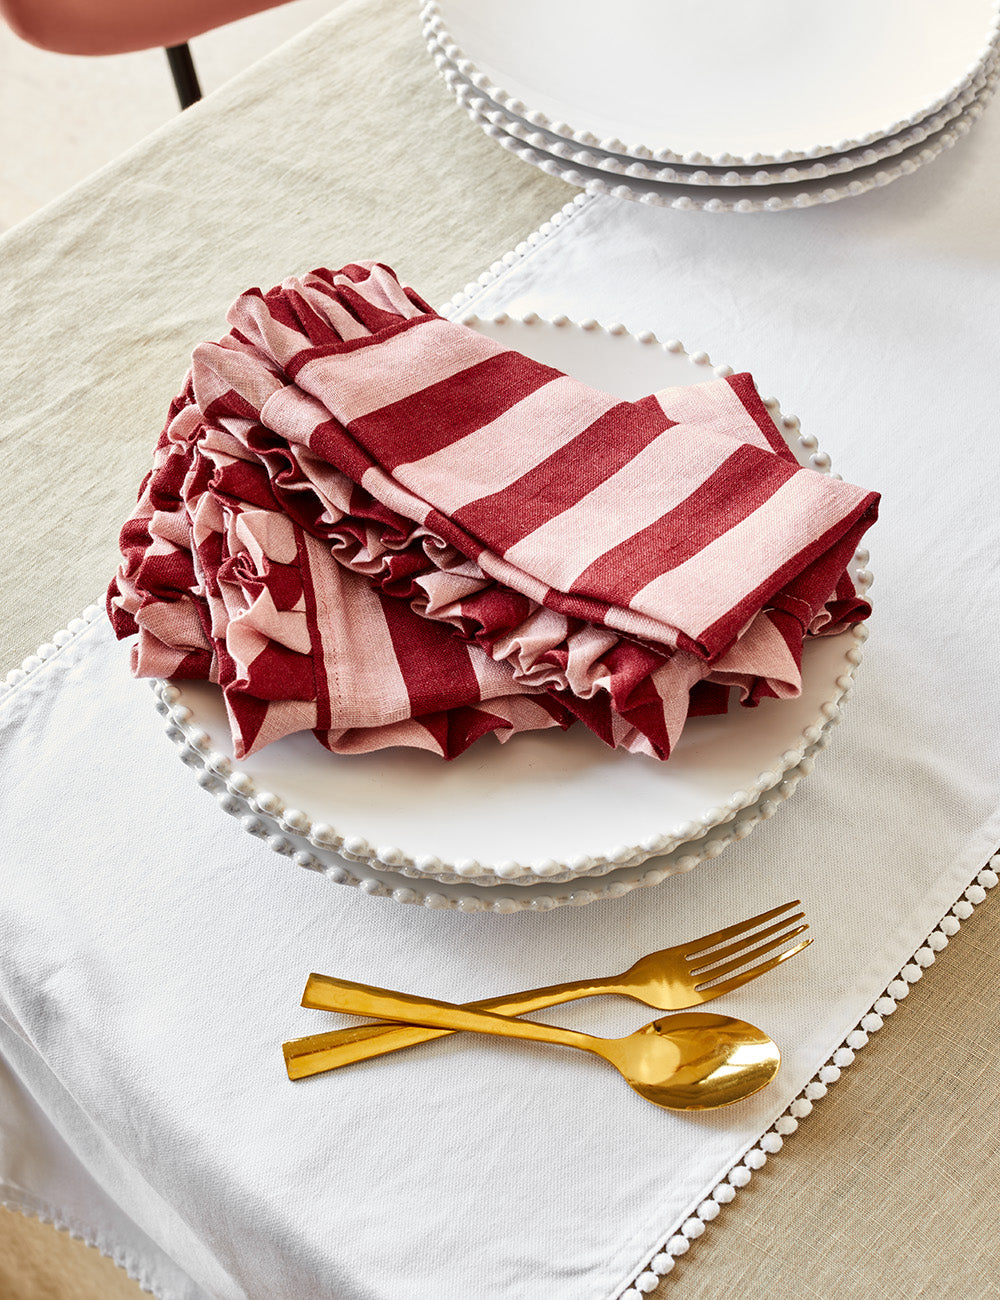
[(693, 1061), (673, 979)]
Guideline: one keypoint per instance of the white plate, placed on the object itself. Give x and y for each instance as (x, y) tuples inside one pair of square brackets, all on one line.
[(732, 83), (486, 895), (498, 121), (749, 198), (549, 806)]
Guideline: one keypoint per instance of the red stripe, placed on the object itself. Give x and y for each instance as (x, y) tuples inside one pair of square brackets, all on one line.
[(393, 528), (289, 308), (493, 613), (199, 479), (846, 605), (282, 582), (575, 606), (353, 273), (278, 673), (196, 666), (444, 527), (332, 443), (370, 315), (818, 581), (435, 664), (359, 274), (167, 576), (229, 403), (249, 713), (845, 587), (362, 276), (742, 483), (122, 621), (243, 483), (211, 554), (295, 364), (455, 730), (442, 413), (594, 713), (565, 477), (644, 711), (708, 699), (746, 390), (630, 693)]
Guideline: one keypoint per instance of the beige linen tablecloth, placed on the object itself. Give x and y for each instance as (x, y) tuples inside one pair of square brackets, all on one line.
[(345, 145)]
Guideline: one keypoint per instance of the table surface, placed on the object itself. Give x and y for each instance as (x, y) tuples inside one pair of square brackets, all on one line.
[(887, 1189)]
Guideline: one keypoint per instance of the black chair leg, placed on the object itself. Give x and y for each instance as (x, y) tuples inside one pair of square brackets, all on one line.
[(184, 74)]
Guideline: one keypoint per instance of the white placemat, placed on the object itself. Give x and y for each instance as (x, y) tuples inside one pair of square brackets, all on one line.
[(155, 953)]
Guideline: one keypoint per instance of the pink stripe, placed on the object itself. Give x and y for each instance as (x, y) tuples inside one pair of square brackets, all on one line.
[(368, 374), (366, 685), (761, 651), (698, 593), (496, 454), (826, 555), (717, 410), (396, 497), (724, 499), (569, 473), (658, 478), (309, 562), (424, 432)]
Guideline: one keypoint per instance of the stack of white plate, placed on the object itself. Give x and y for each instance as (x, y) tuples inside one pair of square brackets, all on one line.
[(737, 106)]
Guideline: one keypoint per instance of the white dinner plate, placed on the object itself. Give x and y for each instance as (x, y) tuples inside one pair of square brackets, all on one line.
[(486, 894), (488, 114), (546, 806), (732, 83)]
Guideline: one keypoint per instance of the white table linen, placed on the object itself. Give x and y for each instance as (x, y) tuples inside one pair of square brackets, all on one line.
[(156, 953)]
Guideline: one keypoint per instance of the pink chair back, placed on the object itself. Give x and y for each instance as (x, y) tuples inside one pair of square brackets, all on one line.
[(119, 26)]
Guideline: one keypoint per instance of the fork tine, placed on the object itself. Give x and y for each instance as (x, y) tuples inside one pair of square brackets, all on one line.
[(711, 971), (698, 946), (727, 986), (743, 945)]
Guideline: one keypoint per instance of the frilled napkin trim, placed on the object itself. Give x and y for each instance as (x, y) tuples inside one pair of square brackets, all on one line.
[(370, 522)]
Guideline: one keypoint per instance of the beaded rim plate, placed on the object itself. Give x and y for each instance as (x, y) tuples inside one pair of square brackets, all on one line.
[(486, 895), (742, 75), (546, 806), (498, 122), (692, 196)]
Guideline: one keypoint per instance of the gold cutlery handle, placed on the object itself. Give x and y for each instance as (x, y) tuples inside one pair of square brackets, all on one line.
[(328, 994), (334, 1047)]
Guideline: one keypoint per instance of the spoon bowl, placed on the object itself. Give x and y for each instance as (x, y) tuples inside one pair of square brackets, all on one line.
[(694, 1061), (698, 1061)]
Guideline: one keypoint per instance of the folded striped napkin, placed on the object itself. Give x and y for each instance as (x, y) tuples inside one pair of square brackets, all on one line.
[(374, 523)]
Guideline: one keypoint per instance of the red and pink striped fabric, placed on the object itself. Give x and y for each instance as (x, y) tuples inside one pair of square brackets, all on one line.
[(370, 522)]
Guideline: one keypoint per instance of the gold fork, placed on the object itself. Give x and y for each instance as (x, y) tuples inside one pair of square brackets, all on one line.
[(673, 979)]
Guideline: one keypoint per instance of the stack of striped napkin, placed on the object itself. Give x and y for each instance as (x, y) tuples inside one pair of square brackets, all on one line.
[(370, 522)]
